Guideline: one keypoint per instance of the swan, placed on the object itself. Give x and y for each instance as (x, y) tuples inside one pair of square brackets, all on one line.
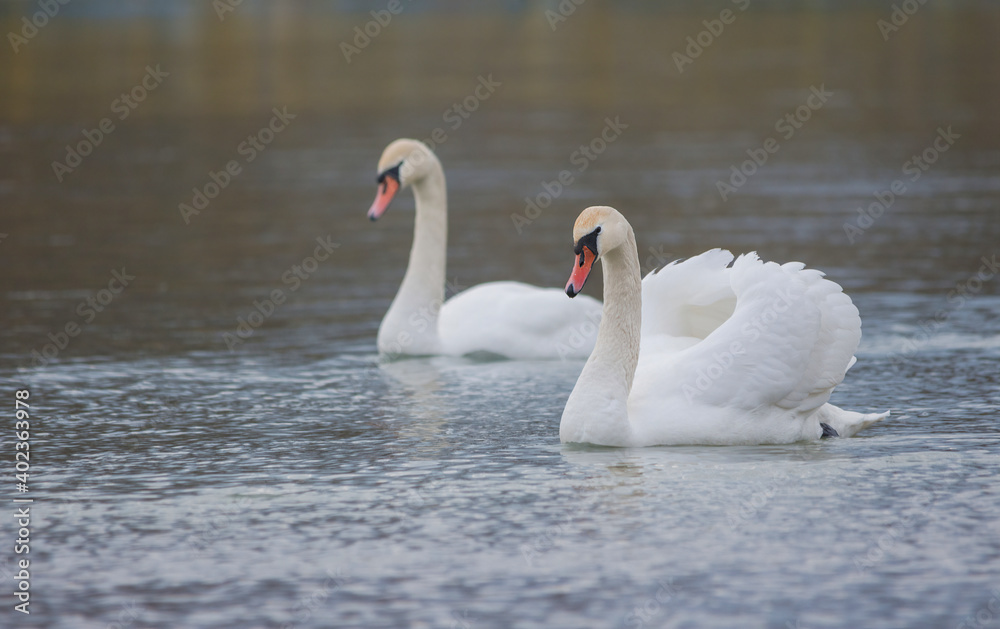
[(508, 319), (708, 351)]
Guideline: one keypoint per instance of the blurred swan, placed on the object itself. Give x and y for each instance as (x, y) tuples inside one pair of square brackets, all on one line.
[(508, 319), (740, 354)]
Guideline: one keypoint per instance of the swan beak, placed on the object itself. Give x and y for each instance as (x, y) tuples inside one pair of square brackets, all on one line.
[(581, 271), (387, 188)]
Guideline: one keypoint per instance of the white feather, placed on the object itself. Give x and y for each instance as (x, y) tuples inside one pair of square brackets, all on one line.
[(518, 320)]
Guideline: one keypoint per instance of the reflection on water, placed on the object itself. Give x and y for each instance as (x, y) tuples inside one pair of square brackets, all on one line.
[(292, 479)]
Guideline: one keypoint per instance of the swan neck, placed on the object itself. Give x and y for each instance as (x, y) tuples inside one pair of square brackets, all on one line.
[(618, 336), (410, 325), (430, 236), (597, 409)]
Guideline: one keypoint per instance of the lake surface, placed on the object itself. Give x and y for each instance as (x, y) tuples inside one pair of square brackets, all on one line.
[(182, 479)]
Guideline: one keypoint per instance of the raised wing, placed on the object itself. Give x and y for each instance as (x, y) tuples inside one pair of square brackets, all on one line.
[(788, 338)]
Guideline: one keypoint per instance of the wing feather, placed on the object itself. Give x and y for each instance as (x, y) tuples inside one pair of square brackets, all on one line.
[(785, 339)]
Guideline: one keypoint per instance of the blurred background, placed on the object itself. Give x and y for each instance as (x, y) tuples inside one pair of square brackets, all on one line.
[(227, 66), (297, 465)]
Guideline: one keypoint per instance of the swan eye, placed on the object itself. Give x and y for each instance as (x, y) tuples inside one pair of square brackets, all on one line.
[(589, 241), (389, 172)]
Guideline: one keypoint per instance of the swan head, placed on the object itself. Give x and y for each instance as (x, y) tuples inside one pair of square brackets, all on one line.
[(598, 230), (404, 162)]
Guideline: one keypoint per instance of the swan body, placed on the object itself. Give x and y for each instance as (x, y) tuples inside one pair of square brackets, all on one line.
[(509, 319), (711, 350)]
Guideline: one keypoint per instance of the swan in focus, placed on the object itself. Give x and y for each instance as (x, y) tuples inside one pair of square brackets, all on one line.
[(508, 319), (704, 352)]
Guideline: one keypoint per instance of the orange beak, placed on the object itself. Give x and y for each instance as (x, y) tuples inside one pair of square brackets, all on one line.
[(387, 189), (582, 266)]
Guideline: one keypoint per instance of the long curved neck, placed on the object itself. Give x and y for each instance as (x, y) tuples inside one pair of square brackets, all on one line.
[(597, 410), (410, 325), (618, 335)]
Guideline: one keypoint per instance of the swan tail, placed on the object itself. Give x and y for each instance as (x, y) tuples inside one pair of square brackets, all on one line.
[(847, 423)]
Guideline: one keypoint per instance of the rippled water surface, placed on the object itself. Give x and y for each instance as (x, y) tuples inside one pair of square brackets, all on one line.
[(293, 480)]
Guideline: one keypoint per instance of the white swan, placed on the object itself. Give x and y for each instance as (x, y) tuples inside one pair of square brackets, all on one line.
[(508, 319), (741, 354)]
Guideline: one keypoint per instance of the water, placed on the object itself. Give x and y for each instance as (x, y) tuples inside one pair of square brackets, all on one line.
[(292, 480)]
